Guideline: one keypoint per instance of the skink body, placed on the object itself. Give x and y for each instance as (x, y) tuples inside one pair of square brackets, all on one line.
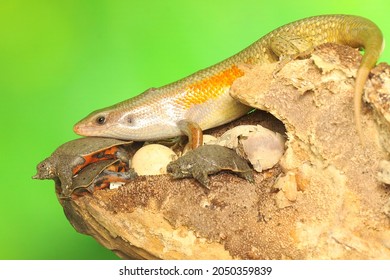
[(201, 100)]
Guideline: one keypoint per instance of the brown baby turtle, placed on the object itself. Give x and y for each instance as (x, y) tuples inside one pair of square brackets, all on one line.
[(71, 157), (209, 159), (95, 176)]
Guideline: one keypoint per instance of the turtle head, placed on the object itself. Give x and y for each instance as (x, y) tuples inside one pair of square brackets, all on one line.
[(45, 170), (177, 169)]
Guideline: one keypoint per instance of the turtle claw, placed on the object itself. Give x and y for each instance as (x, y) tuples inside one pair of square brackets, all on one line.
[(201, 177), (247, 176)]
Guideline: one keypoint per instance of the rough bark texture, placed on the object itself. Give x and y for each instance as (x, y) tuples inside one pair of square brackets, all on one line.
[(323, 201)]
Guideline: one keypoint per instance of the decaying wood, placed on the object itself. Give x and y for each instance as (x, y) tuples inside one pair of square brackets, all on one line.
[(323, 201)]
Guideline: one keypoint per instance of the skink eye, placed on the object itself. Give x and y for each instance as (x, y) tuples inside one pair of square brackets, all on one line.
[(100, 120)]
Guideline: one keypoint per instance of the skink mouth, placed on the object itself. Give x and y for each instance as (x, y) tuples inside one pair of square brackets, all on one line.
[(77, 128), (84, 129)]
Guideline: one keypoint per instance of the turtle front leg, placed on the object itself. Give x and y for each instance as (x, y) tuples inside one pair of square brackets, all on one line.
[(201, 176), (247, 175)]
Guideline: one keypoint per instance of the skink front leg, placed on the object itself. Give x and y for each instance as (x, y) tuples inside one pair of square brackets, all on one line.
[(193, 131)]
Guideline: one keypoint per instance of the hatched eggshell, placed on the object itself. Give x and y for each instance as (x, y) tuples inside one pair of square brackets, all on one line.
[(152, 159), (288, 190), (230, 138), (384, 172), (261, 146)]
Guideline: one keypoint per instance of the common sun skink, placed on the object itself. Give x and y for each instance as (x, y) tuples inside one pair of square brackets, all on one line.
[(202, 100)]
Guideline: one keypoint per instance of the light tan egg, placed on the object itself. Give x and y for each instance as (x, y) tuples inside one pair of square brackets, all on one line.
[(152, 159)]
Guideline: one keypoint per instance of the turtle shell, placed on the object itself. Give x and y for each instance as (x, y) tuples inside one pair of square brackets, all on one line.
[(71, 157)]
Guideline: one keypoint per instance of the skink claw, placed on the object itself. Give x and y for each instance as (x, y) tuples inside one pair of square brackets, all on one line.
[(193, 131)]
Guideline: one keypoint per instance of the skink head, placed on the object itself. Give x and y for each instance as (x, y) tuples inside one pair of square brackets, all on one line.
[(98, 123), (138, 119)]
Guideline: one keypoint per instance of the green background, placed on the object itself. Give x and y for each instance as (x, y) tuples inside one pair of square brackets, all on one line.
[(59, 60)]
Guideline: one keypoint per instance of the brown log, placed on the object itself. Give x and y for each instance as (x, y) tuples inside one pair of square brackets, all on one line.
[(323, 201)]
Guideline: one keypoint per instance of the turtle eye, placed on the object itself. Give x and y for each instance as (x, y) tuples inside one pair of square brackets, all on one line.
[(100, 120)]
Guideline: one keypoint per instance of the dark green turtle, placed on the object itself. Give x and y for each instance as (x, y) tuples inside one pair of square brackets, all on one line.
[(209, 159), (71, 157)]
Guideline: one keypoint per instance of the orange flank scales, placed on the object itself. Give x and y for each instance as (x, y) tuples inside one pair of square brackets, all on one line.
[(211, 87)]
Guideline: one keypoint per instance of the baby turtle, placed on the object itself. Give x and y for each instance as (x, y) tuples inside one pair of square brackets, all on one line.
[(68, 159), (209, 159), (97, 175)]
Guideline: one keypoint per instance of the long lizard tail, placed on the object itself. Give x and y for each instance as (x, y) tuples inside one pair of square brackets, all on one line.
[(366, 34)]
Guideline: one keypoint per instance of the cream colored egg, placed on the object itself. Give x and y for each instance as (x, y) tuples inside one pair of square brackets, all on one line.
[(152, 159)]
